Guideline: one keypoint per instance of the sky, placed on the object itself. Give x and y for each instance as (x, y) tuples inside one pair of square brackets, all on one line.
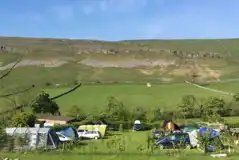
[(115, 20)]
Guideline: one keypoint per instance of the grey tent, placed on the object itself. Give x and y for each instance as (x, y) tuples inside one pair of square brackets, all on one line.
[(36, 137)]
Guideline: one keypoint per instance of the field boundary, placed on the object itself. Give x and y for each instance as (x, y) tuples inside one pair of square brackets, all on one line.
[(155, 82), (210, 89)]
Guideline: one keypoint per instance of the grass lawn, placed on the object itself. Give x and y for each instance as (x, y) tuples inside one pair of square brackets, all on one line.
[(72, 156), (94, 97), (135, 144), (115, 157)]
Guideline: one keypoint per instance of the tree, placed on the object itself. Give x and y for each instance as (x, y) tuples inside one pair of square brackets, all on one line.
[(204, 141), (151, 115), (140, 114), (23, 119), (43, 104), (115, 110), (3, 136), (213, 108), (75, 111), (236, 97), (187, 104)]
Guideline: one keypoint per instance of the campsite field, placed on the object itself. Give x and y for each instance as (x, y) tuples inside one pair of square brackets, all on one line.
[(134, 144), (72, 156), (94, 97)]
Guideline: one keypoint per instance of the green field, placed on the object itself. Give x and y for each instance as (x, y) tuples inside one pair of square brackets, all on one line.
[(94, 97), (135, 147), (116, 157)]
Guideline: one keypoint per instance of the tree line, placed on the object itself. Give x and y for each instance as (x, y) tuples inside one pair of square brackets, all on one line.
[(207, 109)]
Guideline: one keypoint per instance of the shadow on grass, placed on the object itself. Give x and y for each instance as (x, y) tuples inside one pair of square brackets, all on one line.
[(82, 143), (114, 133)]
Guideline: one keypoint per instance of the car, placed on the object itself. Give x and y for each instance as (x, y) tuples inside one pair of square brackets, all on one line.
[(63, 138), (175, 140), (137, 126), (89, 134), (157, 134)]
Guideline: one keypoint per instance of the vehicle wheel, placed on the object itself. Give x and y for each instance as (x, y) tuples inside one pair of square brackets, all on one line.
[(161, 147), (96, 138), (188, 147)]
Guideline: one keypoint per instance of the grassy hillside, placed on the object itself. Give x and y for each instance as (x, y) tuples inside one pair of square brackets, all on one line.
[(50, 62), (66, 61)]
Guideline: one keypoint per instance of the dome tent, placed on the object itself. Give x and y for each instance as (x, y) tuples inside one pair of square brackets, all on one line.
[(69, 132), (213, 133)]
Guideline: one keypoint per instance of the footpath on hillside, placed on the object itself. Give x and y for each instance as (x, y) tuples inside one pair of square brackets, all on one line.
[(210, 89)]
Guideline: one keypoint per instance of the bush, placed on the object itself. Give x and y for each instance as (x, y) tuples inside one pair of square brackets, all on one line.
[(233, 125), (48, 84), (234, 110), (147, 126), (61, 127), (156, 125), (43, 104), (117, 124), (83, 122), (23, 119), (98, 82), (121, 125), (75, 82), (75, 111), (167, 115), (10, 143), (121, 128), (3, 137)]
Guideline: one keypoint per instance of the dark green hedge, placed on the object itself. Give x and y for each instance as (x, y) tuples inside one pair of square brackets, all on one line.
[(113, 125), (233, 125)]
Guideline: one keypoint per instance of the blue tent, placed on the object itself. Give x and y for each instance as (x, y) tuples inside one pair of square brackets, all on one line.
[(213, 133), (214, 136), (69, 132)]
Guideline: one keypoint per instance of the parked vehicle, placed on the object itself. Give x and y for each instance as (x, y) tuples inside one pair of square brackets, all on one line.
[(137, 126), (63, 138), (175, 140), (157, 134), (89, 134)]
